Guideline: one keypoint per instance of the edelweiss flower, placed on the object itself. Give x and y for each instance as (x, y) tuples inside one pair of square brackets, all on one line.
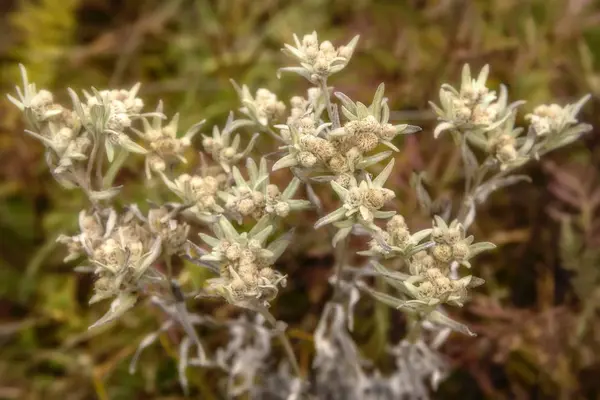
[(361, 203), (38, 106), (122, 264), (318, 61), (223, 148), (398, 240), (555, 126), (306, 149), (165, 146), (264, 108), (200, 193), (172, 233), (367, 127), (451, 245), (93, 229), (258, 197), (244, 262), (474, 107), (107, 114)]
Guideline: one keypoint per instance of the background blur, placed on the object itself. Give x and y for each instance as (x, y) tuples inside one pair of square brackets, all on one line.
[(536, 317)]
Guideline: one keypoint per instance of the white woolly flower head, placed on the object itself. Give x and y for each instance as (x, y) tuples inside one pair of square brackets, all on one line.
[(199, 193), (368, 126), (474, 107), (224, 145), (107, 115), (122, 259), (245, 262), (397, 241), (556, 126), (38, 105), (361, 204), (257, 196), (162, 223), (306, 149), (264, 108), (318, 60), (164, 145)]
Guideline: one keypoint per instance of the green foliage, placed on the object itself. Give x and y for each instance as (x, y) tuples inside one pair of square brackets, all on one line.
[(45, 30)]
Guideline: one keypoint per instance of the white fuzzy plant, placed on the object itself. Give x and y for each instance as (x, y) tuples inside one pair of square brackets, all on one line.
[(321, 142)]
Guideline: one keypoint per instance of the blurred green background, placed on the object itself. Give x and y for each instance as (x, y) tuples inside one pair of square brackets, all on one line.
[(536, 317)]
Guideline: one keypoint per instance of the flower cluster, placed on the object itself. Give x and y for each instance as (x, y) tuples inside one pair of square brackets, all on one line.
[(472, 108), (59, 129), (367, 127), (361, 203), (76, 139), (552, 119), (107, 114), (486, 121), (264, 108), (93, 229), (555, 126), (198, 193), (257, 197), (431, 269), (164, 145), (305, 148), (397, 240), (121, 251), (341, 152), (301, 107), (245, 262), (224, 146), (432, 277), (318, 61), (172, 233)]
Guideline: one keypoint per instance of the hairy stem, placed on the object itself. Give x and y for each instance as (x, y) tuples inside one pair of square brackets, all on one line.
[(92, 160), (287, 346), (114, 168), (341, 258), (99, 165), (328, 104), (273, 134)]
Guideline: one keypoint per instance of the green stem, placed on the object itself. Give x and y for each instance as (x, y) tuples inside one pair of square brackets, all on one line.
[(92, 160), (114, 168), (99, 166)]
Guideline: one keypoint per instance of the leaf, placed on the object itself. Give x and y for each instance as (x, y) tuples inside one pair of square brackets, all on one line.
[(285, 162), (438, 318), (444, 126), (383, 176), (384, 297), (331, 217), (118, 307), (105, 194), (372, 160), (483, 191), (346, 102), (480, 247), (471, 166), (340, 235), (422, 195), (377, 99)]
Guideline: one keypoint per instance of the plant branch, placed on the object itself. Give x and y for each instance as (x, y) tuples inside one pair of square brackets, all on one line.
[(328, 104), (282, 337)]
